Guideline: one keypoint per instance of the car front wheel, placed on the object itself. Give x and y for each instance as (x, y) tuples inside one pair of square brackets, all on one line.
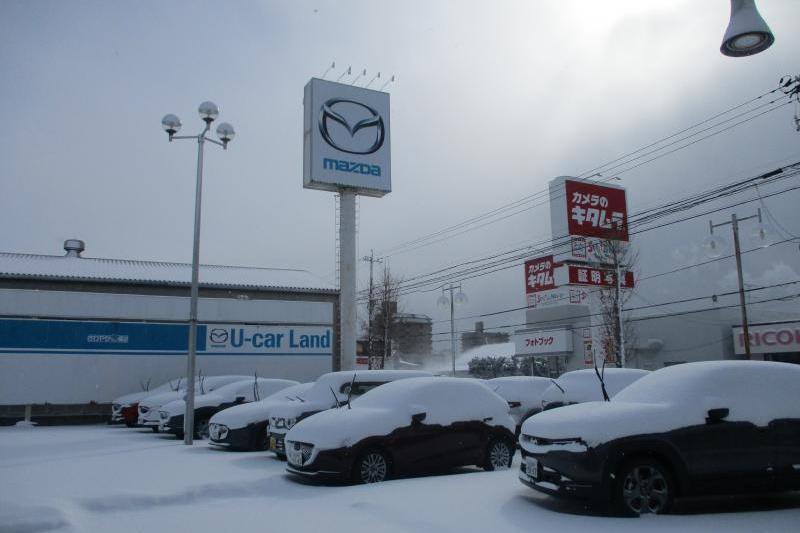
[(645, 486), (371, 467), (499, 454)]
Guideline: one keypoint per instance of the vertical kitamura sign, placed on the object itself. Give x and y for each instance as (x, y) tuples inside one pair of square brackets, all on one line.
[(346, 139), (584, 216), (539, 274)]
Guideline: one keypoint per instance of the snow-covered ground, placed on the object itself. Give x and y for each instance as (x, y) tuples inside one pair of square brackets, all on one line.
[(113, 479)]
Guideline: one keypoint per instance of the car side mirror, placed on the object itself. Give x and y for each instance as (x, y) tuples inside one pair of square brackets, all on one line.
[(717, 415), (418, 418)]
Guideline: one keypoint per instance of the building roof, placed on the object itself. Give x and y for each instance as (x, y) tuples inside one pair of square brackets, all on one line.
[(72, 268)]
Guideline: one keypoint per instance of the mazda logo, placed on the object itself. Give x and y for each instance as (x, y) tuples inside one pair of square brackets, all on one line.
[(218, 335), (328, 113)]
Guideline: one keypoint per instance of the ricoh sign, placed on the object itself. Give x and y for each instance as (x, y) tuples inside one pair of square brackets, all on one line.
[(346, 139), (770, 338)]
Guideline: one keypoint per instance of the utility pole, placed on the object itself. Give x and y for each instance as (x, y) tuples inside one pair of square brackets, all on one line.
[(715, 245), (618, 302), (370, 306)]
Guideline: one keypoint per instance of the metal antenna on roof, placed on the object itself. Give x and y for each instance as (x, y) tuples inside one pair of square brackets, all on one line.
[(362, 73), (333, 66), (346, 72), (375, 77), (391, 80), (255, 386)]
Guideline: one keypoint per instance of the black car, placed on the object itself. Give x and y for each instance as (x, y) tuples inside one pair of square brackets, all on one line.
[(411, 425), (710, 428), (244, 427)]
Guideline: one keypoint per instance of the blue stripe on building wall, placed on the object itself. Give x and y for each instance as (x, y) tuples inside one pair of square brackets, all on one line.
[(49, 336)]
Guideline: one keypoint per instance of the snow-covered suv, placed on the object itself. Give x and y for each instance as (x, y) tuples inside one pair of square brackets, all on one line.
[(714, 427), (330, 390)]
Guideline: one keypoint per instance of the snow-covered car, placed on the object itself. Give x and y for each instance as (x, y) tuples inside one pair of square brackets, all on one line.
[(581, 386), (206, 405), (523, 394), (411, 425), (244, 427), (125, 409), (694, 429), (329, 390), (149, 406)]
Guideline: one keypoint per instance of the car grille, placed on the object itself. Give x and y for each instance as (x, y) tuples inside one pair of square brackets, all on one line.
[(298, 453)]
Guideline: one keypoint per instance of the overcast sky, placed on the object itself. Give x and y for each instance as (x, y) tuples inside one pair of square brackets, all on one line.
[(491, 100)]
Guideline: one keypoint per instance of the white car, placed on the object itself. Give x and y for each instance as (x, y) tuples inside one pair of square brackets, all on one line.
[(206, 405), (330, 390), (149, 406), (523, 393), (244, 427), (581, 386), (125, 408)]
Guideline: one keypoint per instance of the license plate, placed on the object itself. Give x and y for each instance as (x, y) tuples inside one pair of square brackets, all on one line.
[(273, 443), (532, 467)]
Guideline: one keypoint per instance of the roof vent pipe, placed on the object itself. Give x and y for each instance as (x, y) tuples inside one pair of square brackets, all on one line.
[(74, 247)]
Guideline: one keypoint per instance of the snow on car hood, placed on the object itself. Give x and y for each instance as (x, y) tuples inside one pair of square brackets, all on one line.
[(599, 422), (131, 398), (157, 400), (340, 427), (240, 416), (178, 407)]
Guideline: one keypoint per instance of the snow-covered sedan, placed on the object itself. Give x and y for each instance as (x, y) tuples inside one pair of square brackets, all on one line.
[(330, 390), (581, 386), (125, 409), (716, 427), (244, 427), (206, 405), (411, 425), (523, 394), (149, 406)]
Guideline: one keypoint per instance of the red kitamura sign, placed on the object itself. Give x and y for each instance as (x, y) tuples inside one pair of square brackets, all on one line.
[(599, 277), (539, 274), (596, 211)]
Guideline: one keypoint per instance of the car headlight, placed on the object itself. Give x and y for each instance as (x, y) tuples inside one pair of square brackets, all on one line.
[(299, 453), (544, 445), (143, 409), (218, 431)]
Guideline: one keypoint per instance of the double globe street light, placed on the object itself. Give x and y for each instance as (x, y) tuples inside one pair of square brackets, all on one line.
[(172, 124)]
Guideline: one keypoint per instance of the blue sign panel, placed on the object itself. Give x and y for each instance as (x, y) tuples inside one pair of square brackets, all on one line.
[(74, 336)]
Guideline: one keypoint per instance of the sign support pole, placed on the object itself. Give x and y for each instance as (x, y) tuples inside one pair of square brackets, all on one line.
[(347, 278)]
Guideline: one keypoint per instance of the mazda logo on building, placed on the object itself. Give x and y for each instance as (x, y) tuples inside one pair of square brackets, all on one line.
[(355, 118), (218, 335)]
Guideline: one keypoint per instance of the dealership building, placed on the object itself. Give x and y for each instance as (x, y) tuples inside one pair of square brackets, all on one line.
[(80, 331)]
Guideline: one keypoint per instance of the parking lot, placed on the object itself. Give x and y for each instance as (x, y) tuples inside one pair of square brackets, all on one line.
[(103, 478)]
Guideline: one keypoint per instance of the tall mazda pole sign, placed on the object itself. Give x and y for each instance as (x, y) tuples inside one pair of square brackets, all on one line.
[(346, 149)]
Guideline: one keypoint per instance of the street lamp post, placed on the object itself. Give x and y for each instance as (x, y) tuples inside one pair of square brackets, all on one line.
[(172, 124), (714, 246), (452, 302)]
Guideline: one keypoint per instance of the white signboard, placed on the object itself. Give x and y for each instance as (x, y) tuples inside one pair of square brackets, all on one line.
[(346, 139), (559, 296), (772, 338), (544, 342), (233, 339)]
